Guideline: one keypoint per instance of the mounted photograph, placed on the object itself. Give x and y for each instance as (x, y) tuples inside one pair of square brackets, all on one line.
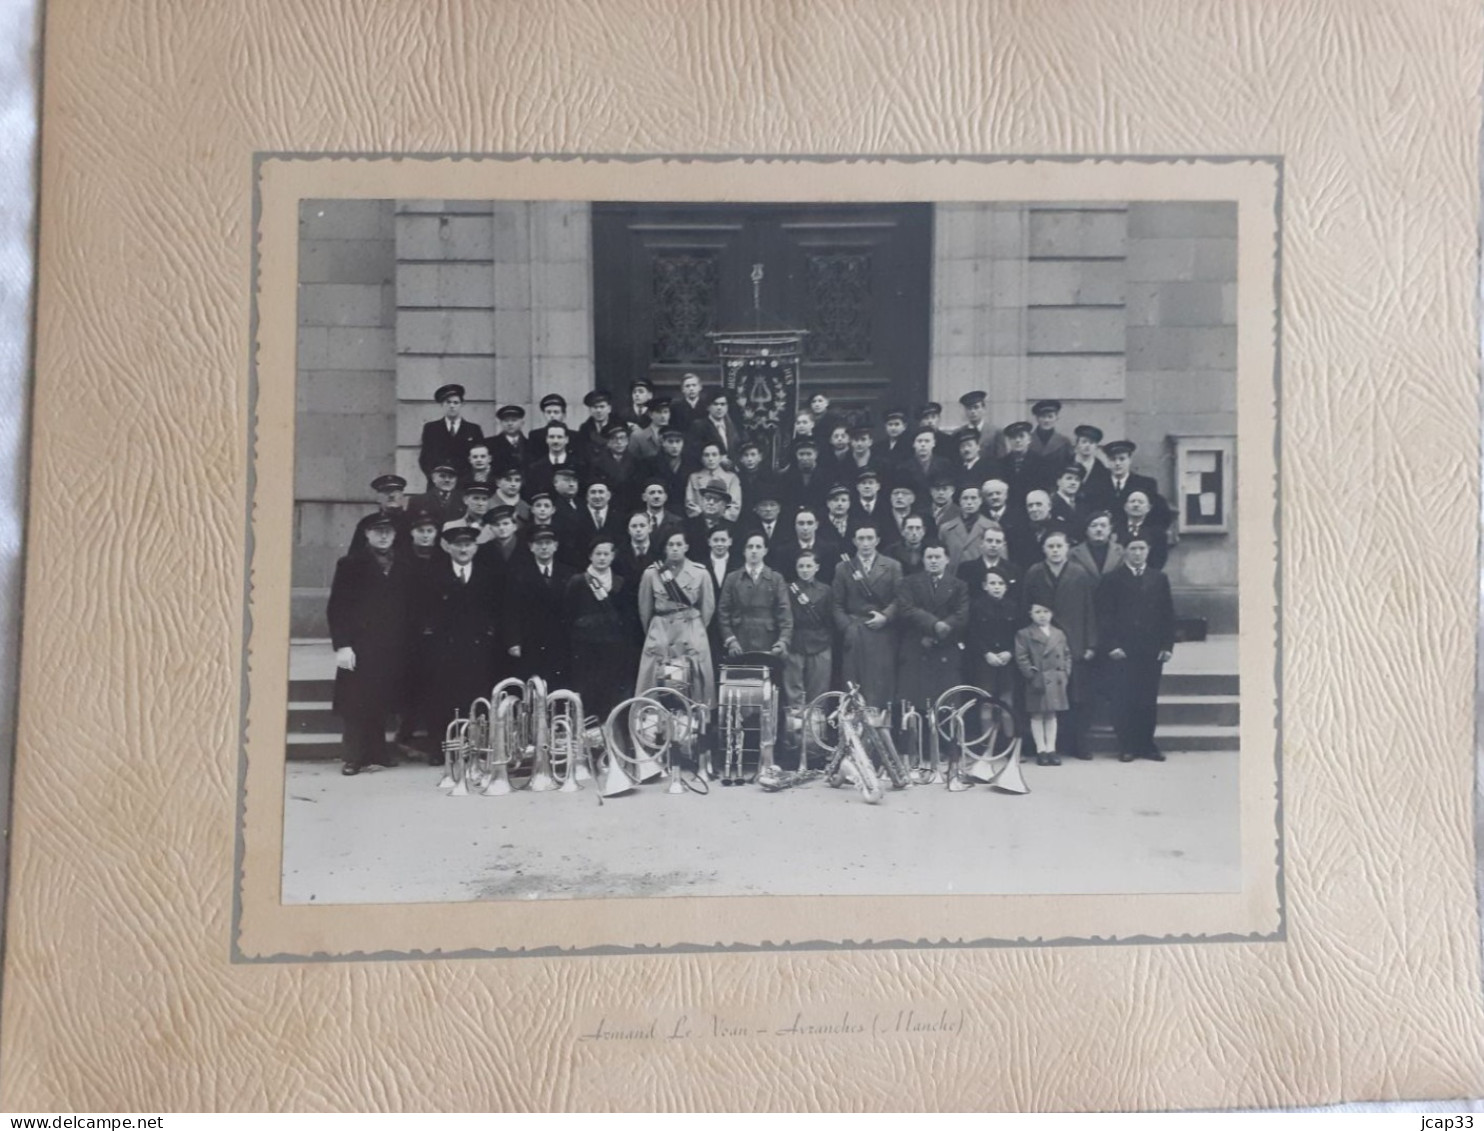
[(714, 549)]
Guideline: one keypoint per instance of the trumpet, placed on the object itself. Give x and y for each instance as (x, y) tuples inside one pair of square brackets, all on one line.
[(454, 735)]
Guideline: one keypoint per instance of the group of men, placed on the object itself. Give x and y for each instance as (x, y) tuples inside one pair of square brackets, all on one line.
[(858, 561)]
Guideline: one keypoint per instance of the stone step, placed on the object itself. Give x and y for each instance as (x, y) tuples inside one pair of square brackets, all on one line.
[(1184, 739)]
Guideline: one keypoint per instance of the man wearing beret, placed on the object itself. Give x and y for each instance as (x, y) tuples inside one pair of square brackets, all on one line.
[(391, 501), (509, 447), (448, 439)]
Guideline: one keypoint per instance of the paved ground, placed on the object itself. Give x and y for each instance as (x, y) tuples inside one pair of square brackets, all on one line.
[(392, 836)]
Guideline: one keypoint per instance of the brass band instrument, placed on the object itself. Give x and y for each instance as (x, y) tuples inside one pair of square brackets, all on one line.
[(914, 729), (566, 750), (992, 762), (638, 731), (688, 727), (844, 711), (455, 751)]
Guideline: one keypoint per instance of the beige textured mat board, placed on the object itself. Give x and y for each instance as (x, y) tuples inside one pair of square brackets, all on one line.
[(151, 963)]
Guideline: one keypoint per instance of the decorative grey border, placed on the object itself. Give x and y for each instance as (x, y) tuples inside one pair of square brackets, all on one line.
[(1279, 935)]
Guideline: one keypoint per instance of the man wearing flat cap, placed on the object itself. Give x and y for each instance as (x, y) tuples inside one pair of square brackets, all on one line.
[(508, 448), (391, 501), (448, 439)]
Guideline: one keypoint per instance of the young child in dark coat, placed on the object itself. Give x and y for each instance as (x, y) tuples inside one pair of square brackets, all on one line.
[(990, 643)]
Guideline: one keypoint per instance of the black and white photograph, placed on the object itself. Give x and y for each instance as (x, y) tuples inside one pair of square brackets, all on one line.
[(653, 549)]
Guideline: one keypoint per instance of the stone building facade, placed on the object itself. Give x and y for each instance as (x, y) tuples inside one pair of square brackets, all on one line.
[(1125, 312)]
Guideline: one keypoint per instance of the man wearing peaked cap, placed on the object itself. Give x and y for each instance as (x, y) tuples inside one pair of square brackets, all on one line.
[(974, 406), (442, 498), (1020, 468), (1047, 444), (1123, 482), (553, 411), (636, 412), (509, 448), (391, 498), (448, 439), (589, 439), (895, 446), (1096, 492)]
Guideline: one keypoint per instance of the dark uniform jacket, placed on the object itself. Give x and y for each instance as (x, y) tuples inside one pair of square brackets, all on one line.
[(1024, 473), (463, 634), (784, 557), (401, 521), (504, 455), (369, 612), (439, 446), (544, 649), (1070, 597), (1156, 532), (1136, 614), (813, 605)]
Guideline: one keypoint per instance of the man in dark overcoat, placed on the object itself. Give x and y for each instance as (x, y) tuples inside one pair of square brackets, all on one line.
[(541, 582), (1069, 592), (1136, 625), (462, 632), (932, 614), (754, 609), (865, 596), (370, 600)]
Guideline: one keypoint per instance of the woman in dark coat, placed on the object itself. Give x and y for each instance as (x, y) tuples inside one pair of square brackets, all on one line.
[(368, 615), (603, 628)]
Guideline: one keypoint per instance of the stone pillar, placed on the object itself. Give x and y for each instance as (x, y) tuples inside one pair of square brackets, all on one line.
[(346, 391)]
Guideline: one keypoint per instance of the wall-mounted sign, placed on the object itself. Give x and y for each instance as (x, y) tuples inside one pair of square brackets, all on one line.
[(1204, 483)]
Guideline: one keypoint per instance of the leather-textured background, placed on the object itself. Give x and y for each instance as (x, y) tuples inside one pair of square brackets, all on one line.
[(119, 992)]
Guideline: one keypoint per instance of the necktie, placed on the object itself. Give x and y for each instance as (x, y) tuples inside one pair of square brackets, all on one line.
[(463, 575), (453, 429)]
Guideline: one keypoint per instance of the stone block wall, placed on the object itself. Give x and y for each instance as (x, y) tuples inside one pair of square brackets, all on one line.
[(346, 390), (496, 297)]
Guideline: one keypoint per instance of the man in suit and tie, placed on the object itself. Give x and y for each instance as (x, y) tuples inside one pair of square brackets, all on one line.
[(766, 520), (961, 536), (867, 505), (994, 555), (541, 475), (925, 465), (836, 524), (447, 440), (1136, 629), (903, 499), (655, 497), (908, 551), (1066, 503), (1123, 480), (675, 465), (543, 638), (865, 597), (1139, 521), (617, 467), (973, 466), (806, 537), (932, 614), (716, 428), (600, 518)]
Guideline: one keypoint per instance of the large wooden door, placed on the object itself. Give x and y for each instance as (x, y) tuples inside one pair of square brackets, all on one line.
[(857, 277)]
